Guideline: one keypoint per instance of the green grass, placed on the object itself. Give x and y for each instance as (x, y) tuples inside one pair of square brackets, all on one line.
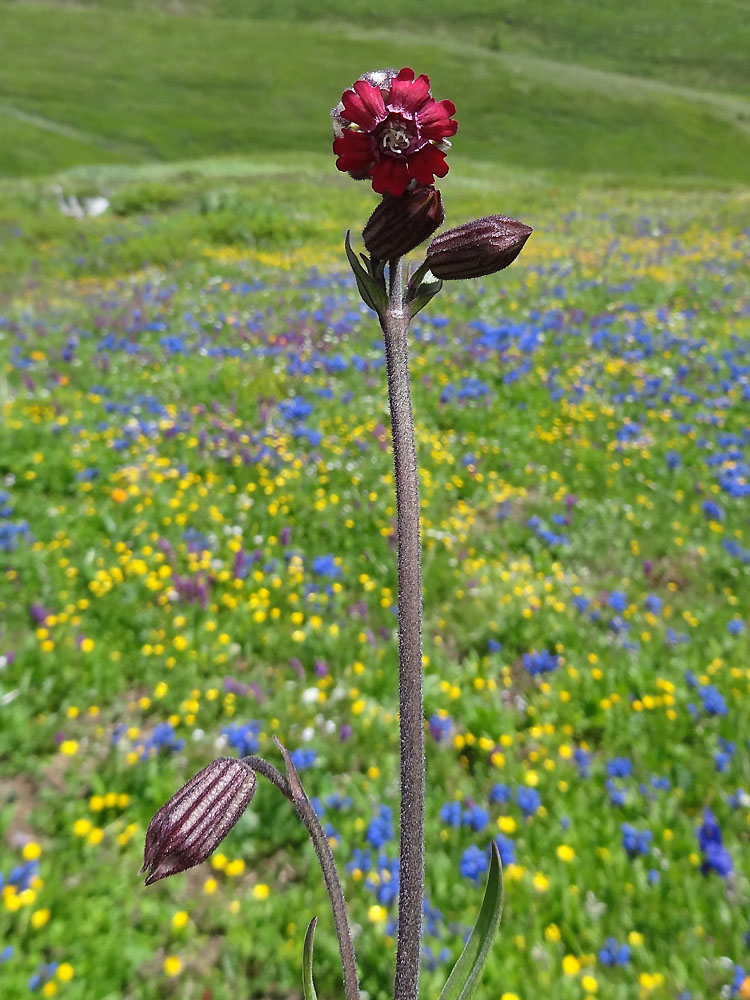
[(149, 85), (695, 44), (165, 215)]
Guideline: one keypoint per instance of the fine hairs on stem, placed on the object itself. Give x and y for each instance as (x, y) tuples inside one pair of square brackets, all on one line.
[(395, 324)]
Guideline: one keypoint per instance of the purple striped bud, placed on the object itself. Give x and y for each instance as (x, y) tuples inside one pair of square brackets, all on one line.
[(398, 225), (197, 818), (477, 248)]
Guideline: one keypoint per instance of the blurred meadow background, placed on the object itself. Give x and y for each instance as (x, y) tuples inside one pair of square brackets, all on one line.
[(196, 496)]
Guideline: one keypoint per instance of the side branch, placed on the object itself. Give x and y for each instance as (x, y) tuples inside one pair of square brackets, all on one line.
[(291, 787)]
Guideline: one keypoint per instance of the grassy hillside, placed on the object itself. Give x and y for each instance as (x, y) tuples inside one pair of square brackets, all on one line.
[(102, 84), (696, 44), (170, 215)]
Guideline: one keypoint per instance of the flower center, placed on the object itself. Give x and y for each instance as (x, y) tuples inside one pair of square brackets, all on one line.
[(395, 139), (397, 135)]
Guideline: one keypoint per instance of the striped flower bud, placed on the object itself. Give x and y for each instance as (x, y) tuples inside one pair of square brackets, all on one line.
[(398, 225), (196, 819), (477, 248)]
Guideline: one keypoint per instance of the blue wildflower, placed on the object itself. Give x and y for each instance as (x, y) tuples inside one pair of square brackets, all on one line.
[(635, 841), (713, 700), (500, 793), (506, 848), (360, 861), (473, 863), (303, 758), (476, 818), (583, 760), (716, 858), (295, 409), (712, 511), (450, 813), (338, 802), (326, 566), (540, 662), (619, 767), (617, 796), (243, 737), (380, 829), (653, 604), (618, 601), (613, 953), (440, 727), (529, 800)]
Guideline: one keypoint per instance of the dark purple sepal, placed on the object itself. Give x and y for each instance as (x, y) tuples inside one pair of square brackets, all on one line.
[(192, 824), (476, 248), (399, 225)]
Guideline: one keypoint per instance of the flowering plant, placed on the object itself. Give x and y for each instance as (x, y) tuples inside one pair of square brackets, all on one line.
[(388, 128)]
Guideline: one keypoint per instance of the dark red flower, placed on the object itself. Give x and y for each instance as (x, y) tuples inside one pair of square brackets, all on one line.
[(388, 127)]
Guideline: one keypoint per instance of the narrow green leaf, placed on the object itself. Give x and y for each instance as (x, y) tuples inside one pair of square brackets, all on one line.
[(372, 294), (308, 987), (423, 286), (415, 280), (467, 971), (423, 294)]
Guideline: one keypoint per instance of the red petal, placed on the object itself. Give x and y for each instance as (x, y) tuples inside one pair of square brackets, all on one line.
[(372, 99), (355, 150), (390, 177), (408, 94), (356, 112), (427, 162), (353, 142), (435, 121)]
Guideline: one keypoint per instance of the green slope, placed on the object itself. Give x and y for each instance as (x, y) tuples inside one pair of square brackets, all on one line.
[(702, 44), (149, 85)]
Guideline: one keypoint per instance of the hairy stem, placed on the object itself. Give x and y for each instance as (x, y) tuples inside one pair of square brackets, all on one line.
[(395, 324), (292, 788), (270, 773)]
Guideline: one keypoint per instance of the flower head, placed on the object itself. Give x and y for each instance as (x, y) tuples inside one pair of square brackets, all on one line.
[(388, 127), (196, 819)]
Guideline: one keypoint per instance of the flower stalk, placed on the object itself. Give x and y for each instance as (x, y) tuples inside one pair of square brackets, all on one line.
[(388, 128), (395, 323), (192, 824)]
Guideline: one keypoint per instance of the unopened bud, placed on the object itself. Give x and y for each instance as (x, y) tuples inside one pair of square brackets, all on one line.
[(196, 819), (477, 248), (398, 225)]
